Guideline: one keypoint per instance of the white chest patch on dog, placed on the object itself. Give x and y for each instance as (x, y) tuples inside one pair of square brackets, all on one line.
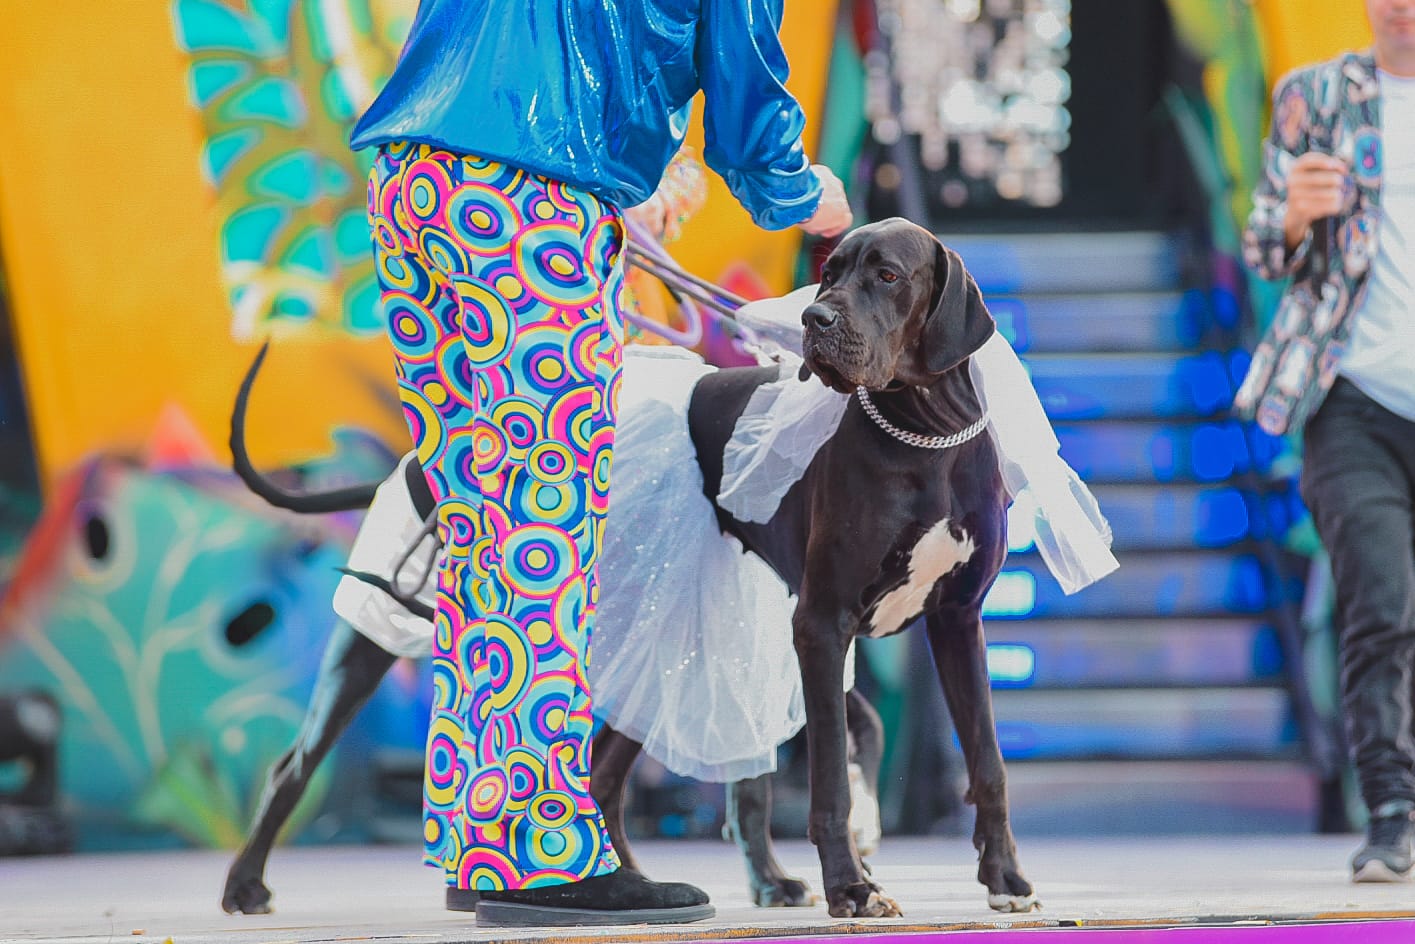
[(936, 555)]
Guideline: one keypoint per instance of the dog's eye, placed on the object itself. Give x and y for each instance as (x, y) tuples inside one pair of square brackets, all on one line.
[(887, 276)]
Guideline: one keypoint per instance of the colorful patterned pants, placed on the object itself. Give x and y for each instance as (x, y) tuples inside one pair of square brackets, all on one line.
[(501, 293)]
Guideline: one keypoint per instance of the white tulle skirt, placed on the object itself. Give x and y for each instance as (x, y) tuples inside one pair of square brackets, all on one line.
[(692, 651)]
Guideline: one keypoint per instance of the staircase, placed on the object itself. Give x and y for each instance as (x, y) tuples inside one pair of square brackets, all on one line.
[(1158, 700)]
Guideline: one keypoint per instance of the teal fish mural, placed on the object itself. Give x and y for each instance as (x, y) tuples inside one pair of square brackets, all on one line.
[(179, 622)]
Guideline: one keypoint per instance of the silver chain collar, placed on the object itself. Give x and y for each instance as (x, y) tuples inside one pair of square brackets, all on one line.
[(918, 439)]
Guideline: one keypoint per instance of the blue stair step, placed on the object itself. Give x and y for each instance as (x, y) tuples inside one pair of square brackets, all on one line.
[(1128, 386), (1158, 517), (1170, 663), (1168, 584), (1158, 723), (1155, 517), (1099, 322), (1118, 653), (1137, 451), (1153, 798), (1069, 262)]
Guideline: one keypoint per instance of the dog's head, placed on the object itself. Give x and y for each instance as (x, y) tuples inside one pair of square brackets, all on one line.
[(895, 307)]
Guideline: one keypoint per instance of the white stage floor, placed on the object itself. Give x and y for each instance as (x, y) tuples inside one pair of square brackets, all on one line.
[(342, 893)]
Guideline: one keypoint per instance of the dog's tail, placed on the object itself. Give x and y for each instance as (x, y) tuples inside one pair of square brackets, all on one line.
[(339, 499)]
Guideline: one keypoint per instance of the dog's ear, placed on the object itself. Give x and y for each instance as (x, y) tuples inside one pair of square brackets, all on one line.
[(958, 322)]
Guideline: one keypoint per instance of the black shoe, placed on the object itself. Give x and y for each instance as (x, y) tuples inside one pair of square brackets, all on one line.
[(462, 899), (621, 897), (1386, 856)]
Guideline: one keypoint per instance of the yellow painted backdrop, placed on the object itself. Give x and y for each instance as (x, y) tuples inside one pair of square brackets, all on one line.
[(109, 241), (1296, 32)]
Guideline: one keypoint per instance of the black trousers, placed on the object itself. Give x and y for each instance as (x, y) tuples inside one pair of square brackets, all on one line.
[(1358, 480)]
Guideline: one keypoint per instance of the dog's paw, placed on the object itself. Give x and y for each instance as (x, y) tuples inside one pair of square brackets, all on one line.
[(246, 896), (1008, 890), (864, 900), (783, 892), (1014, 904)]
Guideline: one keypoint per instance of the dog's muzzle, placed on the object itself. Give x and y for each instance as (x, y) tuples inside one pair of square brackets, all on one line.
[(838, 354)]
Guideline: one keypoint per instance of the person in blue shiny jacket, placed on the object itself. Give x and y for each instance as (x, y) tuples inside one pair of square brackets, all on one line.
[(511, 135)]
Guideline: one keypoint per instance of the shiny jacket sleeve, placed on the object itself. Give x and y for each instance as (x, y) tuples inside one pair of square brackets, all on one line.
[(752, 125), (1264, 244)]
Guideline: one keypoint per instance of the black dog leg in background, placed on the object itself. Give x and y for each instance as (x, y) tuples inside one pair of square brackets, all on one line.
[(748, 820), (350, 671), (749, 826), (613, 755), (960, 655)]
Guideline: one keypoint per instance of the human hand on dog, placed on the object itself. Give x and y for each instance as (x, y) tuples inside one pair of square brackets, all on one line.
[(833, 216), (1316, 189)]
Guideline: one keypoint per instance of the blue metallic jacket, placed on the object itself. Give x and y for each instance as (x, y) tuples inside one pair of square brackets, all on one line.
[(597, 93)]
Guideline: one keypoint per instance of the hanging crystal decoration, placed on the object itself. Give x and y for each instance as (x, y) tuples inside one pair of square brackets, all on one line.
[(979, 82)]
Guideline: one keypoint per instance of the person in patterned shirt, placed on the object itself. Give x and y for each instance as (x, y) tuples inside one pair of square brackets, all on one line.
[(1335, 210)]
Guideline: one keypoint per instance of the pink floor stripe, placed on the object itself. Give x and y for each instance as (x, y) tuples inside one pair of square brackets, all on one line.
[(1336, 932)]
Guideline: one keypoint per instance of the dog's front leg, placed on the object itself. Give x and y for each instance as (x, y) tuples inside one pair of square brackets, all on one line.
[(821, 643), (960, 655)]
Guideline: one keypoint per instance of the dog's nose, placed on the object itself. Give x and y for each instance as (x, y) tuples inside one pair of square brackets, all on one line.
[(818, 316)]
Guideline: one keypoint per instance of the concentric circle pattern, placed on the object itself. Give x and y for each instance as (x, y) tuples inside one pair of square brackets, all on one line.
[(501, 296)]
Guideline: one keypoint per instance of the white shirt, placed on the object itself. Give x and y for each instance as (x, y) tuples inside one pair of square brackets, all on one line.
[(1380, 356)]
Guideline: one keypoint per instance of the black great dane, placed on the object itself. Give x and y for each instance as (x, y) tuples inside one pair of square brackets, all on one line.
[(883, 529), (901, 514)]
